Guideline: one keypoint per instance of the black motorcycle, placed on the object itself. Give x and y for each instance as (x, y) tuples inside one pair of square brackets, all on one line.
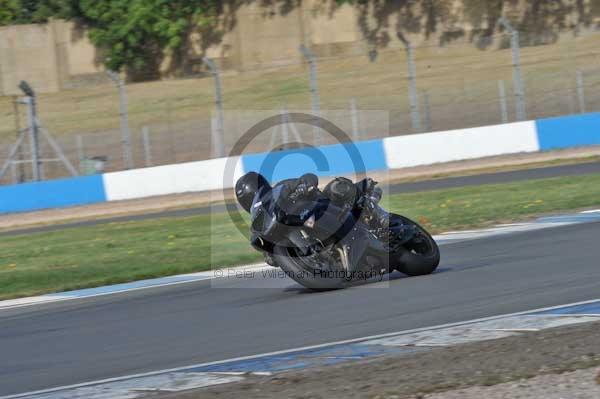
[(323, 245)]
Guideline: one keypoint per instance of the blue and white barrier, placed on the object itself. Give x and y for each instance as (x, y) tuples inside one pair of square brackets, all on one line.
[(52, 194), (169, 179), (456, 145), (329, 160), (366, 156), (568, 131)]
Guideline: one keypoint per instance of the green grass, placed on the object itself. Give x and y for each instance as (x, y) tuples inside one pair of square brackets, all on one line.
[(120, 252), (467, 207)]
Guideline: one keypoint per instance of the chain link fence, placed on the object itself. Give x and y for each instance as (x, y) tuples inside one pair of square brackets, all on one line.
[(461, 84)]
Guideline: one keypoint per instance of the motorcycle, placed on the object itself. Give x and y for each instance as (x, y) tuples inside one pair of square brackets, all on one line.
[(323, 245)]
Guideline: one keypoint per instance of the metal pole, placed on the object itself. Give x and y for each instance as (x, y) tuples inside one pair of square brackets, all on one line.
[(581, 92), (503, 105), (217, 138), (126, 136), (314, 90), (57, 150), (20, 165), (12, 153), (33, 138), (147, 148), (412, 89), (220, 128), (354, 117), (13, 172), (519, 89), (33, 128), (427, 111), (413, 96)]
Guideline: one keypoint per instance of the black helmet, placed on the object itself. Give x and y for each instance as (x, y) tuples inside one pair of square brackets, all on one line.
[(247, 186)]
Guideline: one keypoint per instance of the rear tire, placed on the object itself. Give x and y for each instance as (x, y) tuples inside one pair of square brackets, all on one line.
[(422, 255), (303, 271)]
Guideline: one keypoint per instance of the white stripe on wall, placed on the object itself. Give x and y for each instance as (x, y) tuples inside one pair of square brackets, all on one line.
[(170, 179), (455, 145)]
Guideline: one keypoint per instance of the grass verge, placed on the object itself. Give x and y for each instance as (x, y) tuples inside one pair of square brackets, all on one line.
[(120, 252)]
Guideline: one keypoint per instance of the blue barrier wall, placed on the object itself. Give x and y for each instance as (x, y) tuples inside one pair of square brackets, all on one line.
[(366, 156), (52, 194), (568, 131), (323, 161)]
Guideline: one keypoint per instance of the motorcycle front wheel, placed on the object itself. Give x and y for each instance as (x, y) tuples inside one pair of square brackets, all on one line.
[(311, 272), (421, 255)]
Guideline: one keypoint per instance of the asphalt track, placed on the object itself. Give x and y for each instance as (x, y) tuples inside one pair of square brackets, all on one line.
[(57, 344), (426, 185)]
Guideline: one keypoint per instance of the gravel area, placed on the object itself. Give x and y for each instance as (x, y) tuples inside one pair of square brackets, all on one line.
[(581, 384), (503, 368)]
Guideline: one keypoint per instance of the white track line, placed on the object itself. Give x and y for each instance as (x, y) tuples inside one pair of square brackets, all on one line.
[(67, 296), (592, 211), (289, 351)]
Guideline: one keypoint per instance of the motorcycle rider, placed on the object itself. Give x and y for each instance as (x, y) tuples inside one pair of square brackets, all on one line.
[(341, 191)]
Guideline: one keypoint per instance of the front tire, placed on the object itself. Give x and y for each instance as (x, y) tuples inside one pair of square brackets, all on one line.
[(305, 270), (421, 255)]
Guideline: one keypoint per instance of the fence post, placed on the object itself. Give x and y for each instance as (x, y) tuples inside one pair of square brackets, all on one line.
[(13, 151), (219, 128), (33, 138), (413, 96), (13, 172), (57, 150), (503, 105), (426, 111), (217, 138), (314, 90), (581, 92), (124, 116), (17, 114), (33, 129), (519, 89), (147, 148)]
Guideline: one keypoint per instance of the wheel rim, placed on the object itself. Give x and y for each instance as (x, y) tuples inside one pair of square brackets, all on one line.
[(421, 244), (310, 263)]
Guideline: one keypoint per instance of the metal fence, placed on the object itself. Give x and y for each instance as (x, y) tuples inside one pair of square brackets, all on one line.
[(466, 83)]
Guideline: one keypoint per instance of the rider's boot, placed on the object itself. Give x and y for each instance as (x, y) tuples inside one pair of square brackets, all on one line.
[(269, 259)]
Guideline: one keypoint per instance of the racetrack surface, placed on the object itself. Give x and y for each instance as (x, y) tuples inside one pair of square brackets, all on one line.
[(57, 344), (426, 185)]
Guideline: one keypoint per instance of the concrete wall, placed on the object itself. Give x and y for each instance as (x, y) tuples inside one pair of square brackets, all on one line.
[(59, 54), (50, 56), (259, 38), (28, 52)]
